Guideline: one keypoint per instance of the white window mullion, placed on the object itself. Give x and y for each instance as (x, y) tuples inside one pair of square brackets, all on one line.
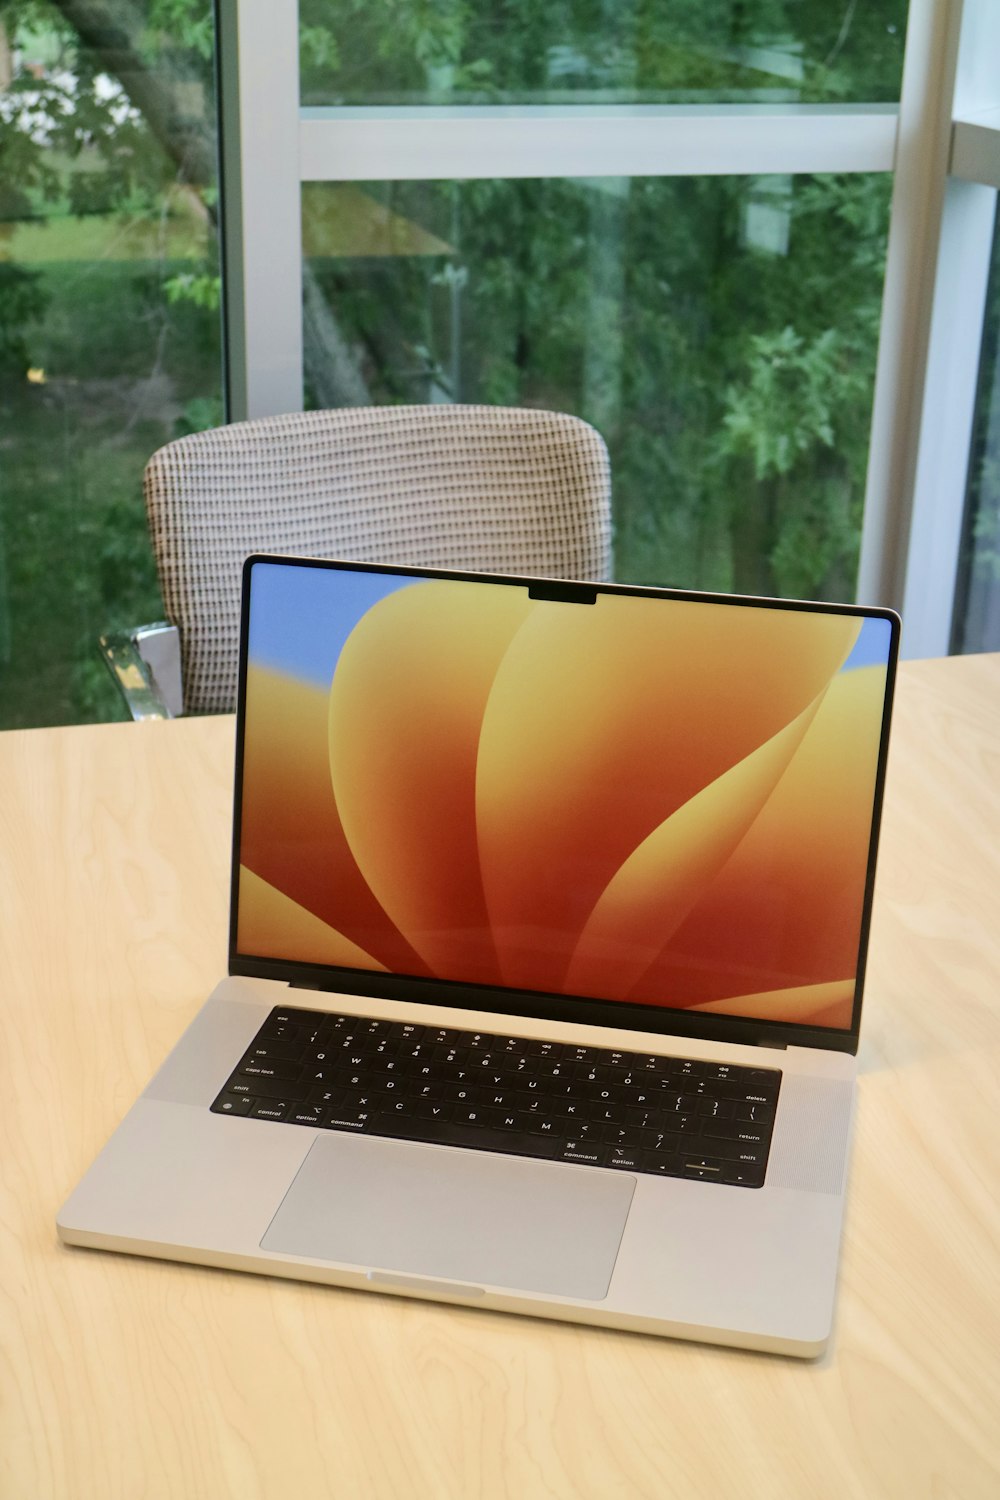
[(947, 416), (960, 291), (940, 243), (368, 145), (917, 204), (261, 205)]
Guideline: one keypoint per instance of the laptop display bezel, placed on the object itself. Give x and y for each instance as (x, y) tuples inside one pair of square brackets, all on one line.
[(509, 1004)]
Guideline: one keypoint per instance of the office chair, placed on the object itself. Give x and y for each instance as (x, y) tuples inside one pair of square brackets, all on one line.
[(477, 488)]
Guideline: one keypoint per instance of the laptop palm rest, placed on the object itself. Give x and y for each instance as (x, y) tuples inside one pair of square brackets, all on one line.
[(454, 1216)]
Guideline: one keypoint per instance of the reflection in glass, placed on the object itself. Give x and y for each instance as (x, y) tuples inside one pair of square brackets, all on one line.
[(384, 52), (977, 603), (109, 341), (720, 333)]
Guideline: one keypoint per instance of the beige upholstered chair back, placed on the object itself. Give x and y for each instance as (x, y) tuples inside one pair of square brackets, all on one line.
[(479, 488)]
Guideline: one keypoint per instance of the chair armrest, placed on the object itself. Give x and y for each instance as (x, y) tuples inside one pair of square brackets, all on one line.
[(146, 665)]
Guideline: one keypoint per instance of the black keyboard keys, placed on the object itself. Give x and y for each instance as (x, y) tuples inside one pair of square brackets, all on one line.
[(666, 1116)]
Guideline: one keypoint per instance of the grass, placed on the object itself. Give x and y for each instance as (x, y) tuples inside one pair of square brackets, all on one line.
[(103, 237)]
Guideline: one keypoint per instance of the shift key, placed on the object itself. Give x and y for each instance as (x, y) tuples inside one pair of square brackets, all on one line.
[(273, 1088)]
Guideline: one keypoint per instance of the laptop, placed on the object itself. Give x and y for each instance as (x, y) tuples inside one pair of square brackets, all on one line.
[(550, 904)]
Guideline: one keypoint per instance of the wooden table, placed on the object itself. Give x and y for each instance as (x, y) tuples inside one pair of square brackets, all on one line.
[(128, 1378)]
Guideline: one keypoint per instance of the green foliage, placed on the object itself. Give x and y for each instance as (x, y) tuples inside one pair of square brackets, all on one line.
[(123, 345), (67, 139), (21, 302), (203, 290), (730, 372), (199, 414), (785, 405), (319, 49), (733, 384), (405, 51), (188, 24)]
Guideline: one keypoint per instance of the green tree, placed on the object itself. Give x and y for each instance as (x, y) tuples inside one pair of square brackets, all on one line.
[(720, 332)]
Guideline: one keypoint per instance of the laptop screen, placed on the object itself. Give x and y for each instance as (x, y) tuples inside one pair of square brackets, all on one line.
[(647, 799)]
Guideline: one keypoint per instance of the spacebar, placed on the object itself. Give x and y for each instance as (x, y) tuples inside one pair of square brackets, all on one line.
[(478, 1137)]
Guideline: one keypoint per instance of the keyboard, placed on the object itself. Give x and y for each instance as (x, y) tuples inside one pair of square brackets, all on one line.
[(630, 1111)]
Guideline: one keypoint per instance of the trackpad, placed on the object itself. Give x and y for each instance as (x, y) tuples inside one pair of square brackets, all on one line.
[(454, 1215)]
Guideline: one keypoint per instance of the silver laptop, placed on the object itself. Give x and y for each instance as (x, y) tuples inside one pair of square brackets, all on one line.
[(549, 913)]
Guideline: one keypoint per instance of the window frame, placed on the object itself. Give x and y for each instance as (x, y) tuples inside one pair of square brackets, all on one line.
[(942, 143)]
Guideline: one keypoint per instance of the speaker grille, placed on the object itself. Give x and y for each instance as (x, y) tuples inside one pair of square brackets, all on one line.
[(809, 1147)]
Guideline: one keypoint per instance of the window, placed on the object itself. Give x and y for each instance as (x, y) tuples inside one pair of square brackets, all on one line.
[(976, 625), (513, 52), (720, 332), (673, 218), (669, 219), (109, 327)]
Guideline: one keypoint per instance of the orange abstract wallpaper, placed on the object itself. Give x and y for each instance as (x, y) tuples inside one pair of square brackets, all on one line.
[(660, 802)]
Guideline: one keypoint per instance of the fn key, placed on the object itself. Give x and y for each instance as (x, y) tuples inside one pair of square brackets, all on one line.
[(234, 1104)]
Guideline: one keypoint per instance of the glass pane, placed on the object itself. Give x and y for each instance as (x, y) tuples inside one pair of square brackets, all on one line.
[(720, 333), (977, 606), (606, 51), (109, 326)]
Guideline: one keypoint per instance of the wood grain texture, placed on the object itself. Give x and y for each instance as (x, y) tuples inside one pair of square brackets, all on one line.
[(128, 1378)]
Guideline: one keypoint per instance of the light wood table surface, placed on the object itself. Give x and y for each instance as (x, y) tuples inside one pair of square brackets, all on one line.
[(131, 1378)]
